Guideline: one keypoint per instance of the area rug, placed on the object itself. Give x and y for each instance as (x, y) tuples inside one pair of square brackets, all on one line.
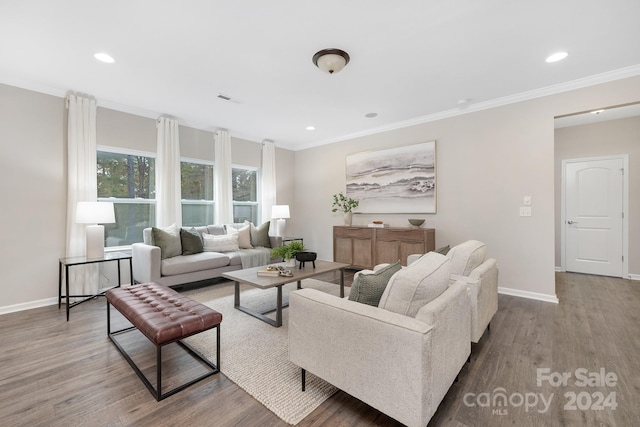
[(254, 355)]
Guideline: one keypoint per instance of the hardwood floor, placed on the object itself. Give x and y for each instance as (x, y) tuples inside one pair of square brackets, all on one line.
[(58, 373)]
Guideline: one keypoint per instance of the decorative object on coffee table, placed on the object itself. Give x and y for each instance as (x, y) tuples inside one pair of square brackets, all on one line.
[(303, 257), (288, 252), (416, 222), (346, 205)]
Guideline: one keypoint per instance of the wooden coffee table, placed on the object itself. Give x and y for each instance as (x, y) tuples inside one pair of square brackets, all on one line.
[(250, 277)]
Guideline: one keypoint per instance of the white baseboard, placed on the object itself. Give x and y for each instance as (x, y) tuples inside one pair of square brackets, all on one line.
[(559, 269), (28, 305), (634, 276), (529, 295)]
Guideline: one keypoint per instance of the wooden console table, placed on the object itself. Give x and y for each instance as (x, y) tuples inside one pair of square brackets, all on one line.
[(364, 247)]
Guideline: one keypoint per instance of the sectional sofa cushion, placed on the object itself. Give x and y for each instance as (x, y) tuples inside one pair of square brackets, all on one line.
[(168, 240), (367, 288), (195, 262), (466, 256), (416, 285)]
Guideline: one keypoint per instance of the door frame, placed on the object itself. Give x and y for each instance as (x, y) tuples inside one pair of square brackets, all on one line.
[(625, 209)]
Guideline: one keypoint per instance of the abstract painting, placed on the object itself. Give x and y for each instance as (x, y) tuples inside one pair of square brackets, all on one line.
[(395, 180)]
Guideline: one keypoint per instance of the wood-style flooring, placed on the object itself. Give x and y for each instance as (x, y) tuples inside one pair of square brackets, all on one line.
[(58, 373)]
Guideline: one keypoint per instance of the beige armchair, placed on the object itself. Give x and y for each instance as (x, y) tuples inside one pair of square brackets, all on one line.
[(400, 357), (468, 263)]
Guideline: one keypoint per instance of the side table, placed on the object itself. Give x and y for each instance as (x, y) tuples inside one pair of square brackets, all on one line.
[(81, 260)]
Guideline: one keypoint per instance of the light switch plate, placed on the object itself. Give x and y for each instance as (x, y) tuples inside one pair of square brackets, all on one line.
[(527, 200), (525, 211)]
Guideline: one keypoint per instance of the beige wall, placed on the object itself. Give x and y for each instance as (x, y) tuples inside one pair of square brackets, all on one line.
[(33, 193), (602, 139), (487, 162), (33, 185)]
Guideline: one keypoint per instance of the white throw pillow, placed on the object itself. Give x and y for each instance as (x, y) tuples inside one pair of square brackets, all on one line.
[(244, 237), (223, 243), (416, 285)]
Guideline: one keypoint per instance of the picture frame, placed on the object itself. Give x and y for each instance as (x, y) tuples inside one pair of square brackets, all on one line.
[(395, 180)]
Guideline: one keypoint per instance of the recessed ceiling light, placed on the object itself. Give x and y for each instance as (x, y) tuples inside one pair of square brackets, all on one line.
[(104, 57), (558, 56), (371, 115), (311, 128), (597, 111)]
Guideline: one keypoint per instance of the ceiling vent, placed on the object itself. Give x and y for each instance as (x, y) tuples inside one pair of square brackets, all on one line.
[(225, 97)]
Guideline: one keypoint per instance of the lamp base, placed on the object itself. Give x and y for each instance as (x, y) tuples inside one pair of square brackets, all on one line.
[(95, 241), (281, 224)]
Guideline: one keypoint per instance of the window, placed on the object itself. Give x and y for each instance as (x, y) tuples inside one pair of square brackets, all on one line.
[(197, 192), (127, 179), (245, 194)]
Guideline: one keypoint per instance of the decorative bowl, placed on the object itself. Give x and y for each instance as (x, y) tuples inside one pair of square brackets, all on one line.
[(306, 256), (416, 222)]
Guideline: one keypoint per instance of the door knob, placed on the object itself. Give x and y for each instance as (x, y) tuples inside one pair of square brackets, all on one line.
[(572, 222)]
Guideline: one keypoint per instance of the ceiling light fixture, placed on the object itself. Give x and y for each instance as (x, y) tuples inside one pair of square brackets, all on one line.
[(311, 128), (331, 60), (104, 57), (558, 56)]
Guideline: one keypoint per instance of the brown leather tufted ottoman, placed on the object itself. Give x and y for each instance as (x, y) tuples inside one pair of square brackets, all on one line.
[(164, 316)]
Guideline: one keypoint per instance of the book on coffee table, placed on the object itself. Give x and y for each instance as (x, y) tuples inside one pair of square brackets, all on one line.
[(268, 273)]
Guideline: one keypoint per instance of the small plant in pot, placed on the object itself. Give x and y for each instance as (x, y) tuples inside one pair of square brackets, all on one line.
[(288, 252), (344, 204)]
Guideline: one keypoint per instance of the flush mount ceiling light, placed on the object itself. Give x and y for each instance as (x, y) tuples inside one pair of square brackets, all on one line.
[(311, 128), (331, 60), (558, 56), (104, 57)]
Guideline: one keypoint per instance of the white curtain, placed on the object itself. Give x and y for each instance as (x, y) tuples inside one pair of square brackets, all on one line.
[(168, 185), (82, 186), (223, 193), (268, 180)]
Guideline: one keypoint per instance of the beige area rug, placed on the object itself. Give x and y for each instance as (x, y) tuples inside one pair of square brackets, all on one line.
[(254, 355)]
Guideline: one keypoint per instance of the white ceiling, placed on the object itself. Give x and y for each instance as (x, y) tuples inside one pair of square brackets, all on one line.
[(411, 60)]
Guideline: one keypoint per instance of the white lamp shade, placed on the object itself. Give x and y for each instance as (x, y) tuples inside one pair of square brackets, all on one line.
[(95, 213), (280, 211)]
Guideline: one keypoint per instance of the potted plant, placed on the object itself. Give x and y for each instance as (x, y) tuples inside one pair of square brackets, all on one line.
[(346, 205), (288, 252)]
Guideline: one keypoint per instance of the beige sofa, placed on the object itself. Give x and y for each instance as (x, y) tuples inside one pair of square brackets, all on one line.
[(400, 364), (182, 269)]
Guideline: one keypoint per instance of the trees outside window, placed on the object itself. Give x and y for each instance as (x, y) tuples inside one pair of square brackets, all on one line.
[(127, 179), (197, 192), (245, 194)]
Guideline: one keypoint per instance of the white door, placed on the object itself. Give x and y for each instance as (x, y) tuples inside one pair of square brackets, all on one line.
[(594, 216)]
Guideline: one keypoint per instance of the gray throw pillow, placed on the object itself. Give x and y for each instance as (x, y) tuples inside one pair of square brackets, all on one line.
[(167, 241), (260, 235), (368, 288), (191, 241), (443, 250)]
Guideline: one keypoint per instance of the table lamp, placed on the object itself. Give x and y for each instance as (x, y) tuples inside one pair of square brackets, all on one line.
[(280, 212), (94, 214)]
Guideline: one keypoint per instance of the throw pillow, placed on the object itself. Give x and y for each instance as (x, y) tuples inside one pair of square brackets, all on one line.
[(443, 250), (244, 237), (416, 285), (191, 241), (260, 234), (168, 240), (224, 243), (369, 287)]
